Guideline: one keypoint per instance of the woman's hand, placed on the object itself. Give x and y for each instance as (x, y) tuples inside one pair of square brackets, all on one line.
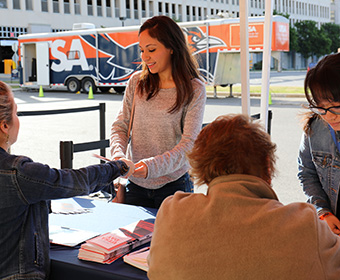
[(141, 170), (334, 223)]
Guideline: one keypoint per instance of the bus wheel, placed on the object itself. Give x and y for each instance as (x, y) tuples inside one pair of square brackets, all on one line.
[(87, 83), (73, 85)]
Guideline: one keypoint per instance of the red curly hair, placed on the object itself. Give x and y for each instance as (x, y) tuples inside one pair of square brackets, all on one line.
[(232, 144)]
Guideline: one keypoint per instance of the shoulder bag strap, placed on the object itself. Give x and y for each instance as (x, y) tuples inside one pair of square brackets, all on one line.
[(132, 114)]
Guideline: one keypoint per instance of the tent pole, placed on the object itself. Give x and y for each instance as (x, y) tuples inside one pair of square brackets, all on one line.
[(268, 19), (244, 53)]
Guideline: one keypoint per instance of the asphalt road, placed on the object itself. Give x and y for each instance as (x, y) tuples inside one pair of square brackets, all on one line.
[(39, 136), (284, 78)]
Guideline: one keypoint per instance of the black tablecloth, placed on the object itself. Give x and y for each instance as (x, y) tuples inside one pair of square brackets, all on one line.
[(104, 217)]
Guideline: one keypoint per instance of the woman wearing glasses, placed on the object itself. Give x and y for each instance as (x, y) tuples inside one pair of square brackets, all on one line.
[(319, 153)]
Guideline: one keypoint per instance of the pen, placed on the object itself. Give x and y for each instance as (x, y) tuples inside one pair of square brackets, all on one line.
[(102, 158)]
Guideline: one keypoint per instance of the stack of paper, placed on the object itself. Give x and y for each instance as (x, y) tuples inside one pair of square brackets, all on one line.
[(110, 246)]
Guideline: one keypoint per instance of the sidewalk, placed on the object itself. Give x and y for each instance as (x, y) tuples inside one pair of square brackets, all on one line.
[(210, 94), (238, 94)]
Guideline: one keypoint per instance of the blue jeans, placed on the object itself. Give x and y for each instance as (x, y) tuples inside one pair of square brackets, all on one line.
[(140, 196)]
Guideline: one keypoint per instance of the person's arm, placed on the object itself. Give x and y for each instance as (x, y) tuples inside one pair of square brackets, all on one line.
[(175, 158), (329, 251), (332, 221), (312, 186), (309, 179), (36, 182)]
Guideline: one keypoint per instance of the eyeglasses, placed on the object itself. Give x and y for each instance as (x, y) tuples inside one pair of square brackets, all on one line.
[(323, 111)]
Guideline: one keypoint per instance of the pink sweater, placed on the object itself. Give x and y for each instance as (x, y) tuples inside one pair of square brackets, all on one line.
[(158, 138), (240, 230)]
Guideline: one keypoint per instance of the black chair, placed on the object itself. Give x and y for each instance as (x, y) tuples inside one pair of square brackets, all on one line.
[(257, 116)]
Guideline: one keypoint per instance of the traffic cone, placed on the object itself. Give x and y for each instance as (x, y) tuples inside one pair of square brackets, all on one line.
[(270, 99), (78, 92), (41, 92), (90, 93)]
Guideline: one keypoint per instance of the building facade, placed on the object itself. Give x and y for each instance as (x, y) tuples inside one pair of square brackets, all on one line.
[(36, 16)]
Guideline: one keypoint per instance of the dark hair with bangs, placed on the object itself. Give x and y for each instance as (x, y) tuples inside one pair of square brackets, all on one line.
[(232, 144), (184, 65), (322, 83)]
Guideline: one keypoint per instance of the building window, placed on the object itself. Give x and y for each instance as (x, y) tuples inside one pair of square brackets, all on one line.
[(29, 5), (77, 7), (16, 4), (56, 6), (180, 17), (11, 32), (67, 7), (135, 9), (3, 4), (99, 8), (44, 6), (89, 8), (108, 9)]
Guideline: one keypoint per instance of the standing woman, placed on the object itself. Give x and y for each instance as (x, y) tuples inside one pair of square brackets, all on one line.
[(168, 113), (26, 187), (319, 153)]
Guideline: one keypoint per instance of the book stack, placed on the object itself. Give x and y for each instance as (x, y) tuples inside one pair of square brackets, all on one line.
[(108, 247)]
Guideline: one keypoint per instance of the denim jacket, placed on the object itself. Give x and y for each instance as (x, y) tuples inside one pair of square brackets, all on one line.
[(319, 167), (26, 186)]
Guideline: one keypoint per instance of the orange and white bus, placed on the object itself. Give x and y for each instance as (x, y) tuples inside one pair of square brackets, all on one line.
[(105, 58)]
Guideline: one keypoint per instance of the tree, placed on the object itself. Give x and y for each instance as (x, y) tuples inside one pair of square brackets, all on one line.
[(332, 31), (286, 15), (310, 40), (293, 39)]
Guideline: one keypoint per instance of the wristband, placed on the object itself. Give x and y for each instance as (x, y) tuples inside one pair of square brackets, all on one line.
[(323, 216), (124, 168)]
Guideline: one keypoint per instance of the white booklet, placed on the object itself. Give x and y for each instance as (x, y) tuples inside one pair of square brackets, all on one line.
[(69, 236)]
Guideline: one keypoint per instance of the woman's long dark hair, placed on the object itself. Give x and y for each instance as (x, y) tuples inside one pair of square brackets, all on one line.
[(184, 66), (322, 82)]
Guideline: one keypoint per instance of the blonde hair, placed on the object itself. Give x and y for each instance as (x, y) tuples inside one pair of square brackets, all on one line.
[(232, 144), (6, 104)]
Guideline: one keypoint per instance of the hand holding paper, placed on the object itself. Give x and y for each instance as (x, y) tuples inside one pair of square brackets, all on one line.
[(141, 170)]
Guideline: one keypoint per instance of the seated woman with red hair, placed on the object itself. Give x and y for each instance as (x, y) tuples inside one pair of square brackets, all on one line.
[(239, 229)]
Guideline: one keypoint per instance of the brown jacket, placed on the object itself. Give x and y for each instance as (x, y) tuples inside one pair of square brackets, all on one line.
[(240, 230)]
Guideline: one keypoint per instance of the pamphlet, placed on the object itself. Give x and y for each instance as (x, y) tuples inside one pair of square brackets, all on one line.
[(70, 206), (69, 236)]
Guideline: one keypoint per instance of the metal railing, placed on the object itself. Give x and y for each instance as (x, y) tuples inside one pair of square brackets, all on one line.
[(67, 148)]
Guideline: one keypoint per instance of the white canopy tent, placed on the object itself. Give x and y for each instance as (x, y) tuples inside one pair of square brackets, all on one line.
[(244, 39)]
